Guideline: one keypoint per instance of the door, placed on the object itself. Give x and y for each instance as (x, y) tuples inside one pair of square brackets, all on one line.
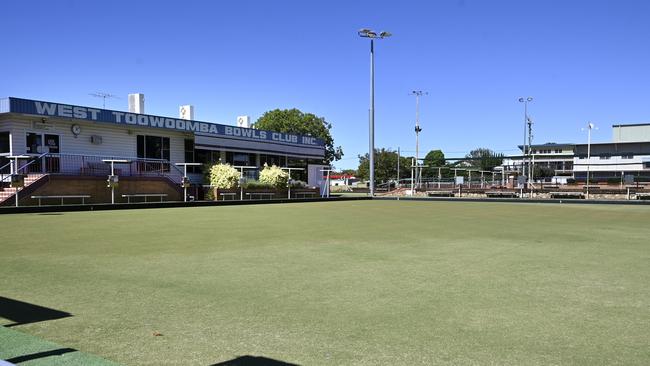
[(38, 144), (52, 163)]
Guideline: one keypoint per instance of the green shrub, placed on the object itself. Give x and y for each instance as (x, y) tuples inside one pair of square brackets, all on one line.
[(223, 176), (274, 176), (298, 184), (257, 185)]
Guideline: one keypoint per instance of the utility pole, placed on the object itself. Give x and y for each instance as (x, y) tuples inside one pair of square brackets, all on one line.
[(524, 149), (398, 156)]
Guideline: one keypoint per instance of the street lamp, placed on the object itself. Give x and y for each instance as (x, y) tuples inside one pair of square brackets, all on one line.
[(418, 172), (367, 33), (526, 122), (590, 126)]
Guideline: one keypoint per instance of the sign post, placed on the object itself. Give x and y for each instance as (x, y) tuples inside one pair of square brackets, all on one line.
[(289, 181), (113, 180), (17, 179), (185, 181), (241, 179)]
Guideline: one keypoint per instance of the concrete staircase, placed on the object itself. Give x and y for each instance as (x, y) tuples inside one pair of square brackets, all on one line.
[(7, 193)]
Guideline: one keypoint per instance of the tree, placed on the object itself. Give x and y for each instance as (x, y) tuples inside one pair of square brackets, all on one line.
[(484, 159), (295, 121), (352, 172), (385, 166), (433, 159)]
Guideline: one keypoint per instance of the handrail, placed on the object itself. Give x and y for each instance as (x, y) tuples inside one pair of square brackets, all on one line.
[(6, 165), (31, 162), (111, 157)]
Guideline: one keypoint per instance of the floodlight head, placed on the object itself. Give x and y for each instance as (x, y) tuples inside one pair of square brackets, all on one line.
[(521, 100), (529, 99), (371, 34), (364, 32), (385, 34), (591, 125)]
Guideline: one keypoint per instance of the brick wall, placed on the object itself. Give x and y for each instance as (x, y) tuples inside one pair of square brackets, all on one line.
[(96, 188)]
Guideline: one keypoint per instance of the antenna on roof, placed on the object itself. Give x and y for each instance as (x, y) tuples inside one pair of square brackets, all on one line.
[(103, 96)]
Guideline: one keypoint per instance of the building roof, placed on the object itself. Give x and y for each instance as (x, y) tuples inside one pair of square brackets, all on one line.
[(549, 145), (631, 125)]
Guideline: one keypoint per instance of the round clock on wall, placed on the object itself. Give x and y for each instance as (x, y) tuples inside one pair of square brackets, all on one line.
[(76, 130)]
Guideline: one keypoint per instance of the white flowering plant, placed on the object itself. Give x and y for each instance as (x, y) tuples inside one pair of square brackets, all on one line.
[(223, 176), (274, 176)]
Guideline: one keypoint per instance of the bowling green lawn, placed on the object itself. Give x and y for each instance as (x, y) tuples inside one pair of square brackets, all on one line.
[(331, 283)]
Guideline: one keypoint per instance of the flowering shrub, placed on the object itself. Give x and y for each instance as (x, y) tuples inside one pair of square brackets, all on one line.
[(223, 176), (274, 176)]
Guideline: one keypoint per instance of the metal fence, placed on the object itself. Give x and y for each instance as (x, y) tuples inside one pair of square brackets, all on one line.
[(94, 165)]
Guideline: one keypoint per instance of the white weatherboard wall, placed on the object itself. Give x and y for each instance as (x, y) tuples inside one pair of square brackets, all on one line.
[(116, 140), (631, 133), (615, 163)]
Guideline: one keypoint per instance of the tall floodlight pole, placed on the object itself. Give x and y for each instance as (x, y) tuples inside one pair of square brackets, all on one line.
[(418, 94), (525, 150), (590, 126), (367, 33)]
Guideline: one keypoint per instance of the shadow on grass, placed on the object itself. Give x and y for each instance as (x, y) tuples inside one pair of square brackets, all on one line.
[(24, 313), (37, 355), (253, 361)]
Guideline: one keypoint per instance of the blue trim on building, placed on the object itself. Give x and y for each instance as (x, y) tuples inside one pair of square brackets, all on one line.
[(58, 110)]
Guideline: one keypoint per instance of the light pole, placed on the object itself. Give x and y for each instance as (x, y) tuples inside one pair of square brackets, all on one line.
[(590, 126), (367, 33), (418, 94), (526, 119)]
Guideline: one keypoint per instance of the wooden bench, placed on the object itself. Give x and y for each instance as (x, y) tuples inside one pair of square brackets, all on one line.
[(440, 193), (268, 195), (228, 194), (144, 195), (304, 194), (501, 194), (62, 197), (642, 196), (567, 195)]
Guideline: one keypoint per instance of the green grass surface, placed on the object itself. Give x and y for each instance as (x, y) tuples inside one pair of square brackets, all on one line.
[(340, 283), (24, 349)]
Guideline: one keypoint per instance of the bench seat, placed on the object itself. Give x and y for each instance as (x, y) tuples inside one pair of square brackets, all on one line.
[(567, 195), (501, 194), (440, 193), (62, 197), (144, 195)]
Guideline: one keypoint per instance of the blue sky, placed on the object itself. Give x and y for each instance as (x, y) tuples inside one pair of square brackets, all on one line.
[(580, 60)]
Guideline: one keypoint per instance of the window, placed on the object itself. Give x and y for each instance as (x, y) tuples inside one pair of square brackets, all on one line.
[(271, 160), (153, 147), (627, 156), (189, 156), (34, 141), (4, 149), (240, 159), (605, 157), (4, 143), (558, 151)]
